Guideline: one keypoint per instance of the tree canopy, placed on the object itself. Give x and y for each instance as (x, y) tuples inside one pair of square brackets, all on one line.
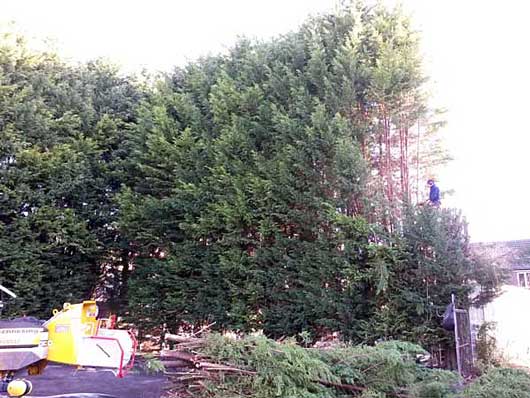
[(271, 188)]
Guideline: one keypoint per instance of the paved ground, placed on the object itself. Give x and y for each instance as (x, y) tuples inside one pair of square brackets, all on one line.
[(58, 379)]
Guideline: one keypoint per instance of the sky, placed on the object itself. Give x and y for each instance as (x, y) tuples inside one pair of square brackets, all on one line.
[(476, 53)]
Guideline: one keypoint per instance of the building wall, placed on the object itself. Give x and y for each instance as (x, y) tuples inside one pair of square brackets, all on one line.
[(512, 324)]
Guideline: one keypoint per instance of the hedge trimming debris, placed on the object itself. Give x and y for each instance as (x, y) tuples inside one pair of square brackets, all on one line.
[(218, 366)]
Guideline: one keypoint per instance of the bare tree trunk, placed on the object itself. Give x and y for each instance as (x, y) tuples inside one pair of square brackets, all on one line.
[(407, 173), (418, 165)]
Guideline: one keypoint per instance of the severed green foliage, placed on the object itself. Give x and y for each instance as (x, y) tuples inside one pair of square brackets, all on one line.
[(288, 370), (258, 367)]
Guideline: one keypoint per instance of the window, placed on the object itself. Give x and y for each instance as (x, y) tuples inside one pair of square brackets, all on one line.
[(523, 279)]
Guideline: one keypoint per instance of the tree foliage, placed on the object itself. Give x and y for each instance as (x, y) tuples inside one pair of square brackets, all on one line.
[(500, 383), (278, 178), (269, 188), (61, 132)]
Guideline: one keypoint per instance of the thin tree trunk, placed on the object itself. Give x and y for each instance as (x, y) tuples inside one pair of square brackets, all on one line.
[(123, 298)]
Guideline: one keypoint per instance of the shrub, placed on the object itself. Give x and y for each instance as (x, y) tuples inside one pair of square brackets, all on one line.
[(500, 383), (488, 353)]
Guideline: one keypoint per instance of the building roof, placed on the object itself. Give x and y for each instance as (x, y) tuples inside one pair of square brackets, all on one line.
[(513, 254)]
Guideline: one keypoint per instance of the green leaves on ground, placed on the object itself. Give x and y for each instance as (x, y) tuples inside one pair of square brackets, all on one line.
[(288, 370)]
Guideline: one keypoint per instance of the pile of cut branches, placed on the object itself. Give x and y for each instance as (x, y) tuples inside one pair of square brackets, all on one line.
[(218, 366)]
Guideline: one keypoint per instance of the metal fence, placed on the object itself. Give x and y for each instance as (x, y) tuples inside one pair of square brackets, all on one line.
[(464, 342)]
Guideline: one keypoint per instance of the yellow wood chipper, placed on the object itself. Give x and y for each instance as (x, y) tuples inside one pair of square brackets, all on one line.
[(73, 335)]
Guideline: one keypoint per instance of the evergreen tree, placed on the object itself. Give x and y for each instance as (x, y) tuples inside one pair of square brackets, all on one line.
[(268, 188), (429, 261), (61, 133), (255, 172)]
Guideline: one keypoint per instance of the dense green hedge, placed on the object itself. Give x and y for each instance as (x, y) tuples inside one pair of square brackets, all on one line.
[(267, 188)]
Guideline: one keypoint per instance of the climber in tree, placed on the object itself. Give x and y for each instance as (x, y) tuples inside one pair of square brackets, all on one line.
[(434, 194)]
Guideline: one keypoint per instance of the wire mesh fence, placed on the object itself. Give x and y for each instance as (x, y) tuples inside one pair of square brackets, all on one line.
[(464, 343)]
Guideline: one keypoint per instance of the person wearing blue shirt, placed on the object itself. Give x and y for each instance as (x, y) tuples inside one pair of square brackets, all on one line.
[(434, 194)]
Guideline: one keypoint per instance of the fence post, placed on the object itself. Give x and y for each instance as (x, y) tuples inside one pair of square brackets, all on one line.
[(472, 340), (457, 340)]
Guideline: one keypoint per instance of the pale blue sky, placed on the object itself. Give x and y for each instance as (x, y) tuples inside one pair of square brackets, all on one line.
[(476, 54)]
